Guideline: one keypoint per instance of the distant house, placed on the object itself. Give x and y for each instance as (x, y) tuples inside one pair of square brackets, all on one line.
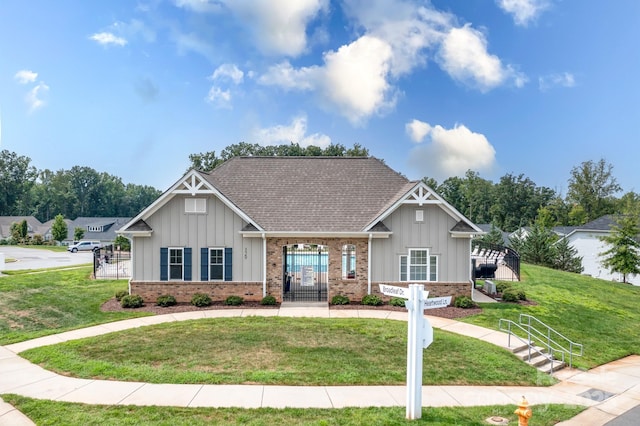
[(586, 240), (299, 229), (101, 229), (34, 226)]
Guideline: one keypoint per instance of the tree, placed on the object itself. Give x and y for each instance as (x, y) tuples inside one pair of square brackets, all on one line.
[(494, 236), (59, 228), (122, 242), (623, 254), (538, 248), (567, 258), (16, 178), (593, 186), (78, 233)]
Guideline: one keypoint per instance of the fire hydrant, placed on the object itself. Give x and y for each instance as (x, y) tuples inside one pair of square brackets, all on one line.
[(524, 412)]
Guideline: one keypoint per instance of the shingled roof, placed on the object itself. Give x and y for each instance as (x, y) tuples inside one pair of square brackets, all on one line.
[(309, 194)]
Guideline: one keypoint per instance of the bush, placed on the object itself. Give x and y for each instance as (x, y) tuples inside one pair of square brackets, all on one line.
[(120, 294), (339, 299), (501, 286), (510, 295), (233, 301), (268, 300), (464, 302), (521, 294), (371, 300), (397, 301), (166, 300), (200, 300), (131, 301)]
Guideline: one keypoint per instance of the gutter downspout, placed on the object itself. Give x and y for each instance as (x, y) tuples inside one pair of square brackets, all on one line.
[(369, 264), (473, 290), (264, 267)]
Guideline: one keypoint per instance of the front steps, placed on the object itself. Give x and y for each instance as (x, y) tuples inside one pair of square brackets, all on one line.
[(539, 358)]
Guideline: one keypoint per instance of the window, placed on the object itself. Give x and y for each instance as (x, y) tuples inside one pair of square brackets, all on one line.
[(418, 266), (216, 264), (348, 261), (195, 205), (176, 263), (91, 228)]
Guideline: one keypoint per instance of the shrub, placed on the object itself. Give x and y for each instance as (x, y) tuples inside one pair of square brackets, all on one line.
[(521, 294), (501, 286), (268, 300), (371, 300), (120, 294), (464, 302), (131, 301), (200, 300), (233, 301), (339, 299), (397, 301), (510, 295), (166, 300)]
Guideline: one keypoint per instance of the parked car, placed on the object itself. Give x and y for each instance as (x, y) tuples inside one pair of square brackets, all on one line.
[(84, 246)]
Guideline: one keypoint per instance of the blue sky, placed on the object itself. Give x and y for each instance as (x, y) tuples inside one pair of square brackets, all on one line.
[(434, 88)]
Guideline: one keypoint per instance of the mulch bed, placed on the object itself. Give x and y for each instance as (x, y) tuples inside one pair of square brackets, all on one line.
[(112, 305)]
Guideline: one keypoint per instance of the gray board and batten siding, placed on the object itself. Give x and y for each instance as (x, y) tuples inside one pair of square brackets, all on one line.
[(218, 227)]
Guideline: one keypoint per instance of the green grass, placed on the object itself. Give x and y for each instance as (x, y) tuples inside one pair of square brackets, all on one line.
[(602, 315), (44, 412), (39, 304), (285, 351)]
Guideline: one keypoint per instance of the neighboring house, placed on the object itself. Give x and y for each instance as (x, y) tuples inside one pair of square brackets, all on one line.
[(34, 226), (298, 228), (586, 240), (487, 227), (101, 229)]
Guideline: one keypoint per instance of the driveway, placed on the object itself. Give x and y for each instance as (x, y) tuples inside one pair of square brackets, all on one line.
[(31, 258)]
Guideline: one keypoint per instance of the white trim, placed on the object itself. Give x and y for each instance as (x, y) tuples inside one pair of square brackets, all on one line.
[(169, 263), (291, 234), (264, 268), (369, 247), (209, 264), (195, 205)]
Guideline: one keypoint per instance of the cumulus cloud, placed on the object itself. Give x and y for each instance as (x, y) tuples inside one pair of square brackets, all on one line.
[(285, 76), (296, 132), (200, 6), (228, 72), (523, 11), (35, 97), (451, 152), (564, 79), (219, 97), (464, 56), (278, 29), (106, 39), (26, 76)]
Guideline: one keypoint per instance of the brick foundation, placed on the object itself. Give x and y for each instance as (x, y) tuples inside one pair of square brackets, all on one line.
[(184, 290)]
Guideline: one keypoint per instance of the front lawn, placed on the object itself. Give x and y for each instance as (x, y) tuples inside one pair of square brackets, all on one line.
[(282, 351)]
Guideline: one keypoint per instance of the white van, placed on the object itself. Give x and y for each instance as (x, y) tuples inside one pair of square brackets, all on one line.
[(84, 246)]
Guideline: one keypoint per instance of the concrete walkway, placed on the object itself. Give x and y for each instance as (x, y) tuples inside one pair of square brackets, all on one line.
[(608, 391)]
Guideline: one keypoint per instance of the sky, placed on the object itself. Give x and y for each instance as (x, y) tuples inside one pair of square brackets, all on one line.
[(433, 88)]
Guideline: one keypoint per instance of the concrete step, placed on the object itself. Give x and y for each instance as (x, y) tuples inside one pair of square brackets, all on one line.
[(557, 365), (539, 358)]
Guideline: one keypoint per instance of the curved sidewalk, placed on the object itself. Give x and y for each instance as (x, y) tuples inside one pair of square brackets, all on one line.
[(609, 390)]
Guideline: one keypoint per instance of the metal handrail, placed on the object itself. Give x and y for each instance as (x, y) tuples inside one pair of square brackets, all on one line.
[(548, 336), (551, 355)]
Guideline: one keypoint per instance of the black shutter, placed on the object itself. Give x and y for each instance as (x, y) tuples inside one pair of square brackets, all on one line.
[(187, 264), (164, 264), (204, 264)]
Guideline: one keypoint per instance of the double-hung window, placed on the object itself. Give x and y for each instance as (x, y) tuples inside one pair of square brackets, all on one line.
[(176, 263), (418, 265), (216, 264)]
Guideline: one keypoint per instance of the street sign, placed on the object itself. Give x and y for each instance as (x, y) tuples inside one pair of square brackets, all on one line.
[(394, 291), (437, 302)]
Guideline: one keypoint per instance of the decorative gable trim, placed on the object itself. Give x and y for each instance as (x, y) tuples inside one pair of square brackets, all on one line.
[(420, 194), (192, 183)]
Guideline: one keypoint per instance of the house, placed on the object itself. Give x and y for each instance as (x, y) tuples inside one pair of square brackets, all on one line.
[(586, 240), (298, 228), (101, 229), (34, 227)]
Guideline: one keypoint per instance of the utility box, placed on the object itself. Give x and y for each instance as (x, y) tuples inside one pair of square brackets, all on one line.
[(489, 287)]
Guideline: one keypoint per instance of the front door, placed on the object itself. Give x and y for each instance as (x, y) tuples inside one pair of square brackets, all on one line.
[(305, 273)]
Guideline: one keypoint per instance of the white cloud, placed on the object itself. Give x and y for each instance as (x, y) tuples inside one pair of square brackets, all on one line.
[(218, 97), (523, 11), (464, 56), (296, 132), (106, 39), (35, 96), (564, 79), (228, 72), (451, 152), (286, 77), (200, 6), (26, 76), (278, 28)]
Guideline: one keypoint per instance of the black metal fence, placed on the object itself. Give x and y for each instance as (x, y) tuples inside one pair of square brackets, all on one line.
[(493, 261), (305, 273), (111, 264)]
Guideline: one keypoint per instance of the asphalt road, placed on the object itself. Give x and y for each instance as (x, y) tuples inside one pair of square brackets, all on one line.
[(30, 258)]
